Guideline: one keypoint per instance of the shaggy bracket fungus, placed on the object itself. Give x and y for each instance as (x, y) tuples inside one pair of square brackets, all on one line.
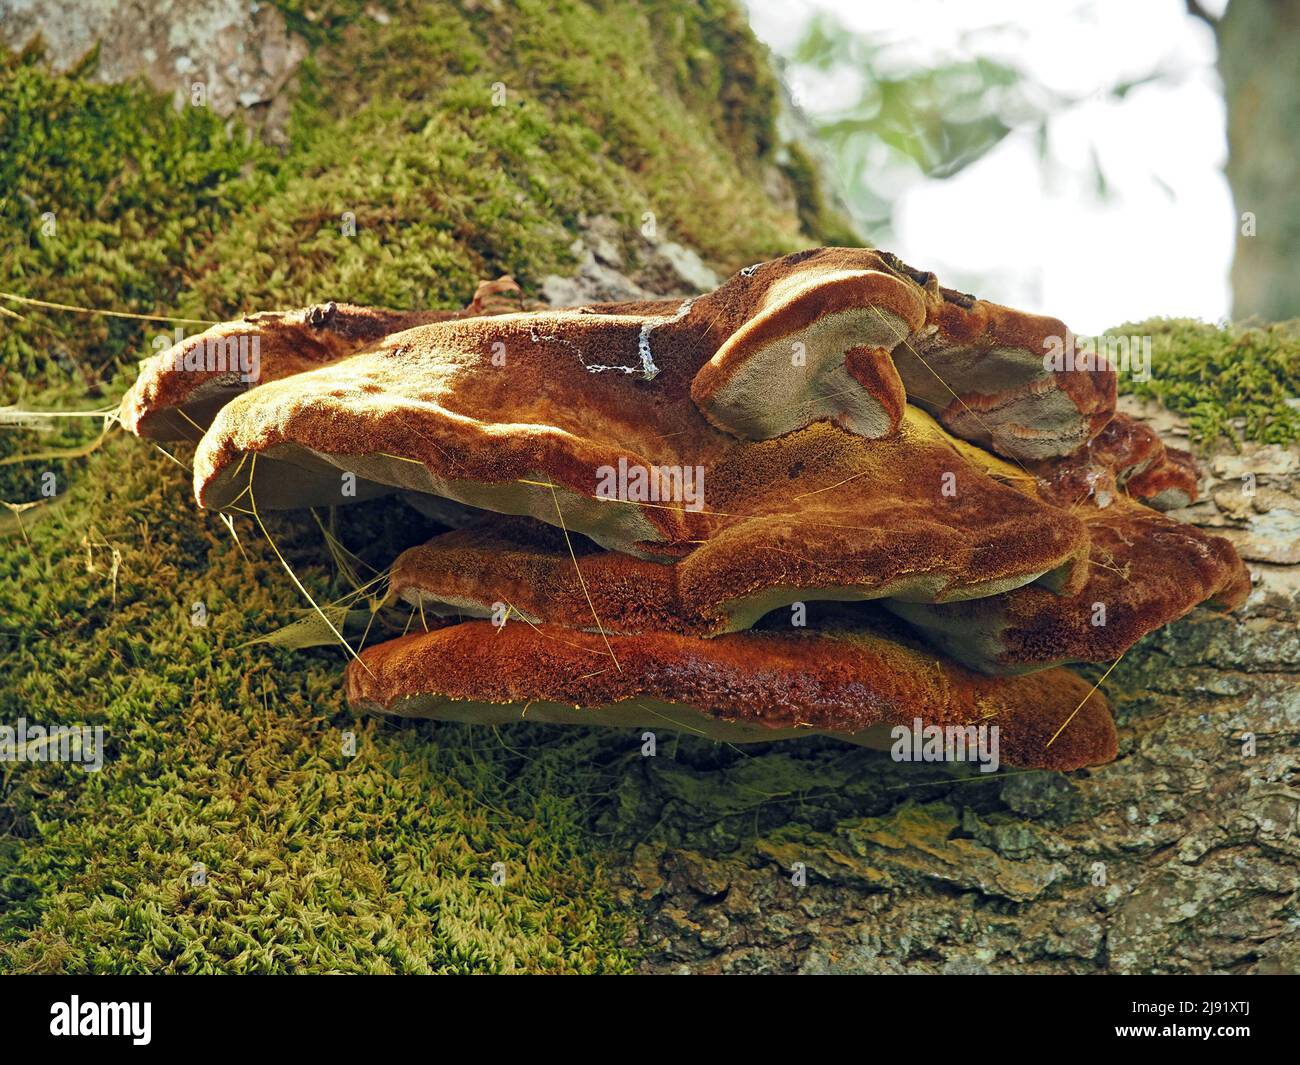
[(637, 493)]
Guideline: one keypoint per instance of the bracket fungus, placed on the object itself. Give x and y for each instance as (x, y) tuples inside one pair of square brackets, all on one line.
[(1125, 455), (849, 682), (179, 390), (1145, 570), (642, 495)]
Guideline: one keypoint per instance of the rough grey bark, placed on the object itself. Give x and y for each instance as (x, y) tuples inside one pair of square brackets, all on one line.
[(240, 56)]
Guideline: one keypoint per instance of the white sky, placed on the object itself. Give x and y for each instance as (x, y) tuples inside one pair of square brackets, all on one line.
[(1161, 245)]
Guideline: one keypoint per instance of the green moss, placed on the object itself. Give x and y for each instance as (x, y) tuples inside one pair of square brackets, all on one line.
[(819, 219), (1233, 382), (105, 194), (452, 208), (481, 149), (320, 21)]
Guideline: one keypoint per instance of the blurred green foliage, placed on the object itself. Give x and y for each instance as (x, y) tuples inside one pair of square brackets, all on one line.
[(895, 121)]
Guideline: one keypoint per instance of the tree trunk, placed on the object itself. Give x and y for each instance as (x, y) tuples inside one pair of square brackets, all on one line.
[(1259, 60)]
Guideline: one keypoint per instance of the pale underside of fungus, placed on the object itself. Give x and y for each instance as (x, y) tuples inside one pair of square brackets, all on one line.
[(654, 492)]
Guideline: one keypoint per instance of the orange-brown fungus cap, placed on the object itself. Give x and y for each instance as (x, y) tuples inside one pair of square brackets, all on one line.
[(1146, 571), (1125, 456), (743, 687), (179, 390), (830, 426), (832, 335), (907, 516)]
